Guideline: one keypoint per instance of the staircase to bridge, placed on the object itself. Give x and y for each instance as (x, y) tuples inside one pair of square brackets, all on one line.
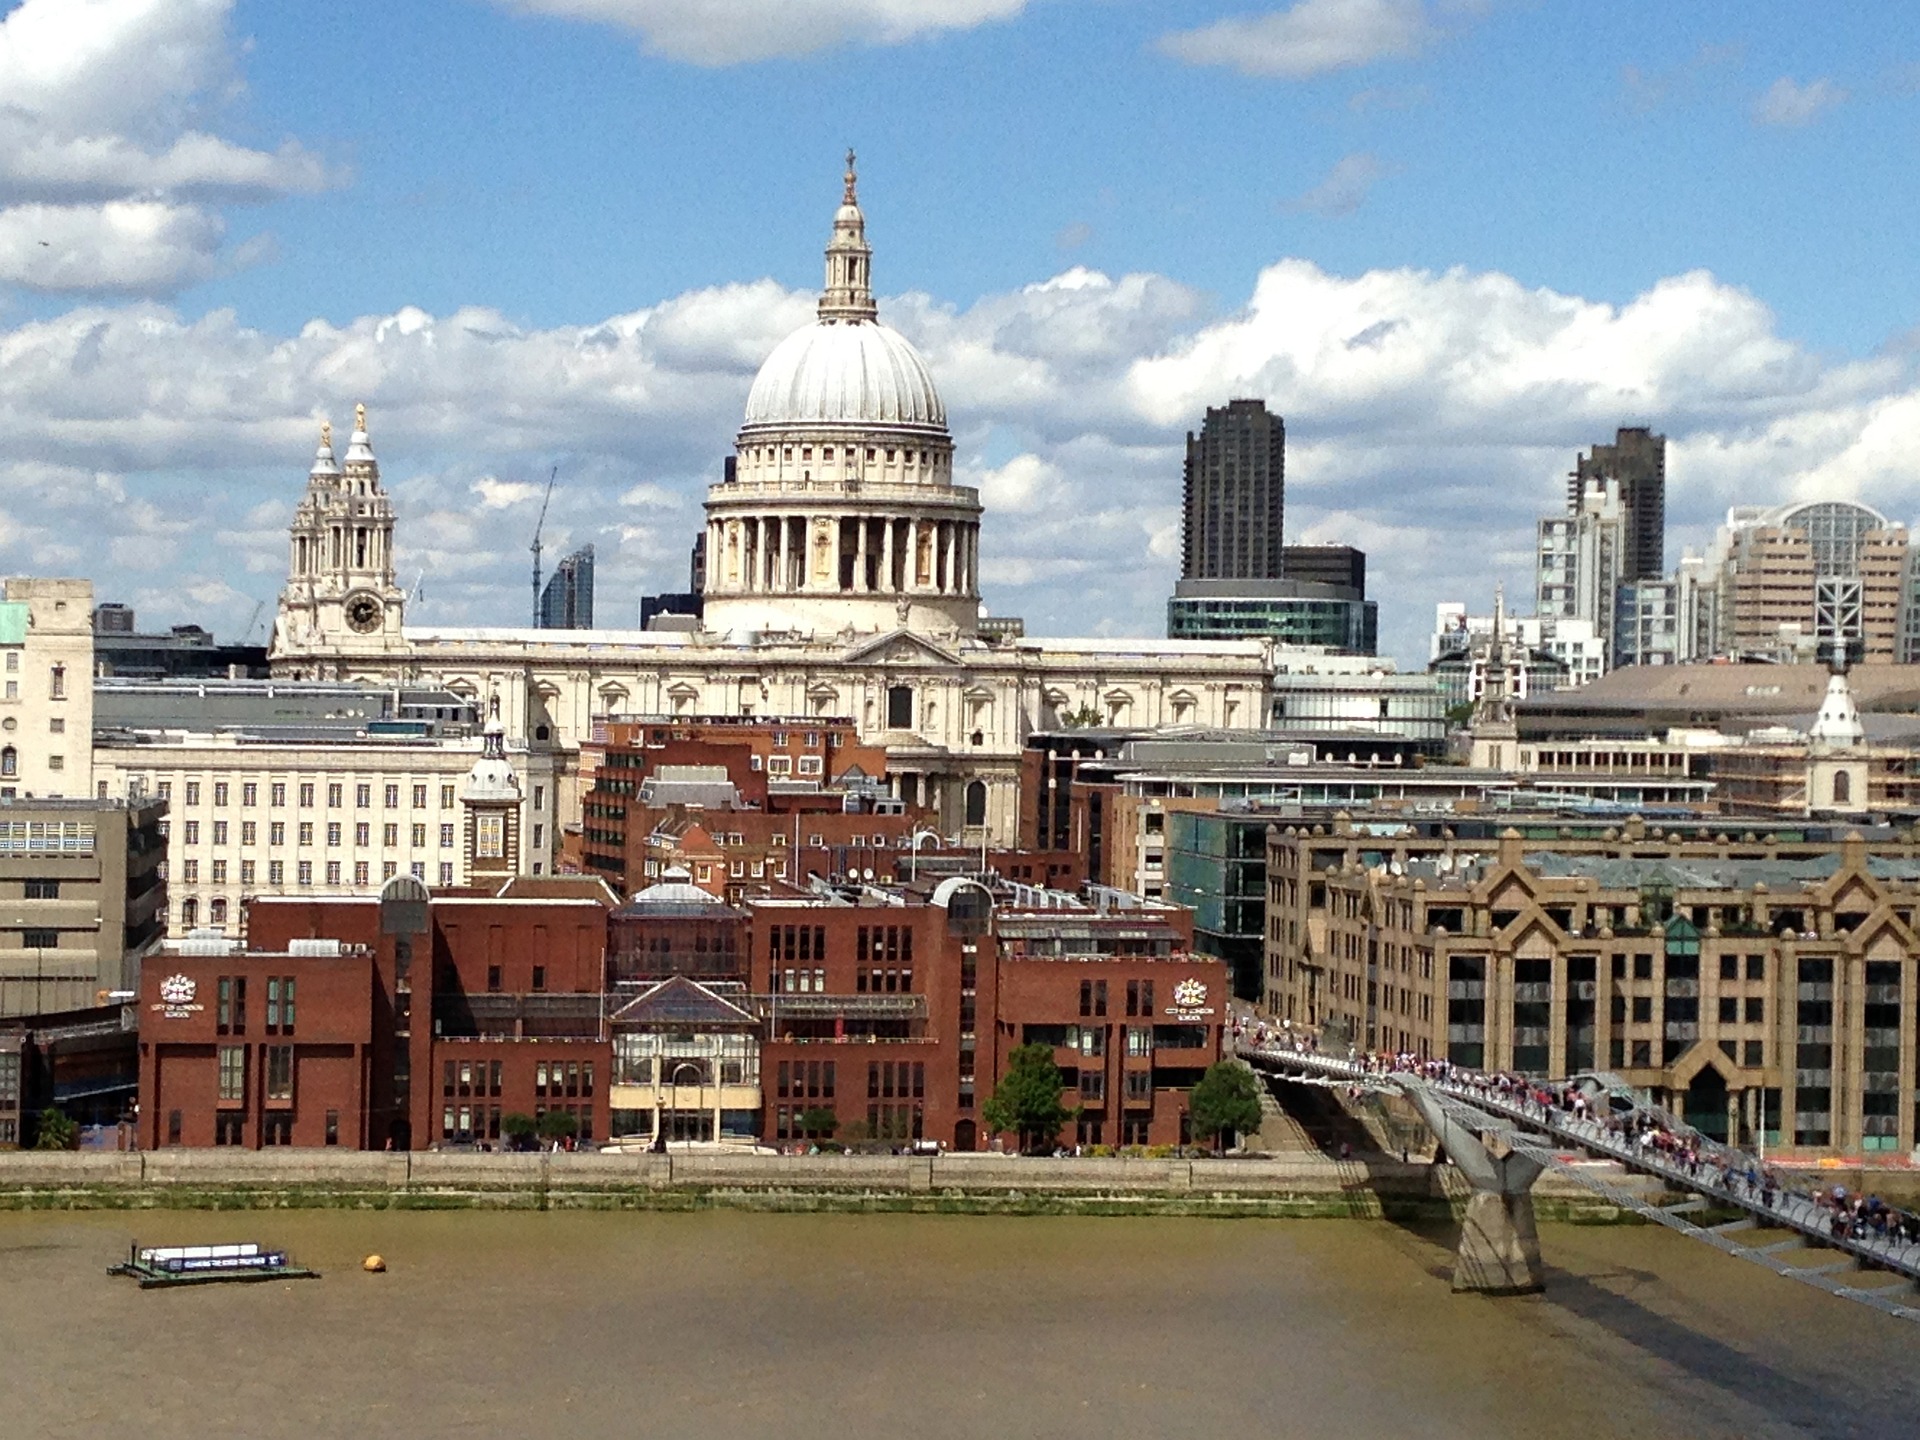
[(1502, 1141)]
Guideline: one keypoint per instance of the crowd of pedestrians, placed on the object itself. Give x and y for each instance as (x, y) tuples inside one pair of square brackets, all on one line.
[(1661, 1144)]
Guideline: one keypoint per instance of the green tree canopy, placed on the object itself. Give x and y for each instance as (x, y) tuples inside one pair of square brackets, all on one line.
[(557, 1125), (1027, 1099), (1226, 1099), (57, 1131)]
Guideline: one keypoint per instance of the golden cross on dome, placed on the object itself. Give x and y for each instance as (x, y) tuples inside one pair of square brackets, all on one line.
[(326, 433), (850, 177), (360, 418)]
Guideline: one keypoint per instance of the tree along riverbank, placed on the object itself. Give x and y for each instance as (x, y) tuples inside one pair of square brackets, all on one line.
[(1291, 1186)]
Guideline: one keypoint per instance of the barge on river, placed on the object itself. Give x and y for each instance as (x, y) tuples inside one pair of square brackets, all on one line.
[(163, 1265)]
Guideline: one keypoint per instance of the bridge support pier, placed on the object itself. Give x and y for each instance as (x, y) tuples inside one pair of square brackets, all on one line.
[(1499, 1249)]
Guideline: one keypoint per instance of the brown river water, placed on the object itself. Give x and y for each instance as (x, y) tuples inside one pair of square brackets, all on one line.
[(719, 1325)]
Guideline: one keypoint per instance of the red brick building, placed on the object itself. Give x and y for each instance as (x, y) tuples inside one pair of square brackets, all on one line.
[(871, 1011), (449, 1011)]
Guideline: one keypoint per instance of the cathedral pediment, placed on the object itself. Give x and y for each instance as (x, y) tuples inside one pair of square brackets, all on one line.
[(901, 647)]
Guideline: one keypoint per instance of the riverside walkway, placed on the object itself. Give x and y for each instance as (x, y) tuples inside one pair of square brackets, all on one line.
[(1485, 1124)]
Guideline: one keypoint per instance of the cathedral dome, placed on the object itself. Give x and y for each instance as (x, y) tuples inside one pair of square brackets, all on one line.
[(845, 372)]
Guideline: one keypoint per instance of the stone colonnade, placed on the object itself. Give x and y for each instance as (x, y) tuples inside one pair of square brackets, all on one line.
[(843, 555)]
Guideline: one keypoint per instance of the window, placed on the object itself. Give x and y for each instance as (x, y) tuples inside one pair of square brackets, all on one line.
[(250, 793), (392, 797), (389, 835), (899, 707), (219, 872), (333, 796), (189, 912), (360, 872), (233, 1071), (362, 834), (418, 837), (192, 837), (305, 872), (190, 871), (40, 939), (277, 832), (419, 797), (446, 872), (217, 911), (446, 797), (57, 725), (306, 794), (489, 837), (219, 832), (193, 792), (9, 762), (276, 873), (333, 872), (306, 832), (279, 1072), (333, 1127), (446, 837), (249, 832), (278, 793), (220, 793), (57, 685), (246, 872), (42, 889), (56, 762), (362, 796), (539, 797)]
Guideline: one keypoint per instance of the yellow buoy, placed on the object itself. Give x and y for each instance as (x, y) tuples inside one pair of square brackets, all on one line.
[(373, 1264)]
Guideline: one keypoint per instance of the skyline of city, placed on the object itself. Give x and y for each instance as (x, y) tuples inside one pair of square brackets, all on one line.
[(153, 419)]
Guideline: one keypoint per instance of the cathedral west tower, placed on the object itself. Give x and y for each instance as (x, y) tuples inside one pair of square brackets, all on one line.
[(341, 600)]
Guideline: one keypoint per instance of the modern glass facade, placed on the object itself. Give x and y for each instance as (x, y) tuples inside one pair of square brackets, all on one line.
[(1352, 625)]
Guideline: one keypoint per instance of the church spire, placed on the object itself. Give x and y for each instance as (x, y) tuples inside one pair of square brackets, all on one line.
[(849, 290)]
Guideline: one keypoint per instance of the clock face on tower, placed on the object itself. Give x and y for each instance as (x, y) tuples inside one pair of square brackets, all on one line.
[(364, 613)]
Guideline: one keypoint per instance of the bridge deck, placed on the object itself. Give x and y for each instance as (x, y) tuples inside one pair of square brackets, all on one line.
[(1477, 1104)]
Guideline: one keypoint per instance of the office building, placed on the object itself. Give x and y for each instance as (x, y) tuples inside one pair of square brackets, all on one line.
[(83, 898), (46, 689), (567, 601), (1235, 495), (1759, 984), (1634, 465)]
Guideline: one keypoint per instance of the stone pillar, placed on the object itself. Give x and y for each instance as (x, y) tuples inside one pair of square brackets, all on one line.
[(860, 557), (1499, 1249), (783, 565), (886, 556)]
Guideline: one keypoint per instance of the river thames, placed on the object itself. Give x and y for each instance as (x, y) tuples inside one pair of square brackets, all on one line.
[(717, 1325)]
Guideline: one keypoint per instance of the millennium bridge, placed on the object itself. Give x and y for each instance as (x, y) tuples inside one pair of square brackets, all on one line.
[(1501, 1139)]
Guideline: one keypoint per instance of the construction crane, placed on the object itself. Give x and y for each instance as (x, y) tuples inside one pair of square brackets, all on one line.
[(538, 526), (252, 620)]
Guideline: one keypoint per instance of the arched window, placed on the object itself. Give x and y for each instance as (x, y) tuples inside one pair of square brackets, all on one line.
[(217, 911), (976, 802), (189, 912), (1842, 788), (9, 762)]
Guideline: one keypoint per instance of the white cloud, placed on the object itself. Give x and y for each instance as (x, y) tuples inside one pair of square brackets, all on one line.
[(1345, 187), (1789, 103), (1431, 417), (104, 179), (142, 247), (1312, 37), (733, 32)]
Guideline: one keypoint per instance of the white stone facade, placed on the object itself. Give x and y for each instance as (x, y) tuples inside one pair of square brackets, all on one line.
[(316, 817), (46, 689)]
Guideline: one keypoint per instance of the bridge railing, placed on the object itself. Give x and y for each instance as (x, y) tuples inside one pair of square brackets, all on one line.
[(1717, 1172)]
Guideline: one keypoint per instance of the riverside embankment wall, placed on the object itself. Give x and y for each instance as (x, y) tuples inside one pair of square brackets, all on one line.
[(1303, 1186)]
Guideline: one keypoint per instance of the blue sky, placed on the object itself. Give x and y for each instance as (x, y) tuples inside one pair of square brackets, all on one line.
[(562, 232)]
